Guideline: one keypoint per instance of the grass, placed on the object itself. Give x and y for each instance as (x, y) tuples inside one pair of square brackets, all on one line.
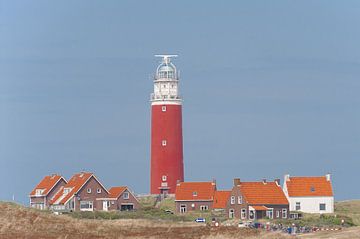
[(316, 220), (149, 213), (349, 209)]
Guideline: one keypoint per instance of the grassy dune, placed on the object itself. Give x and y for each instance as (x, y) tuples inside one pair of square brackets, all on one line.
[(21, 222), (350, 209)]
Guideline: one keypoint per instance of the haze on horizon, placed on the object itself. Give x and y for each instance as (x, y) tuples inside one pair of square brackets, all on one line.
[(269, 87)]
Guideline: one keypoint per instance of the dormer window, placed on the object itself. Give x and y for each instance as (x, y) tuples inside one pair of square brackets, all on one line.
[(312, 189), (39, 192), (67, 190), (194, 194)]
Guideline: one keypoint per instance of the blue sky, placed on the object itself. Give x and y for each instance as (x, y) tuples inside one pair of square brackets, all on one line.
[(269, 87)]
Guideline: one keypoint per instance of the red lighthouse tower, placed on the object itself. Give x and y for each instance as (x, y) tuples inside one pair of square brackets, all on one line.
[(166, 129)]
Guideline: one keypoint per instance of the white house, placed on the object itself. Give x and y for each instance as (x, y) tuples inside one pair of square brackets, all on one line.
[(309, 194)]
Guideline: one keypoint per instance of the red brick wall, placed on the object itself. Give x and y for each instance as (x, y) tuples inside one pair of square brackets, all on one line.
[(189, 207), (85, 196), (120, 200)]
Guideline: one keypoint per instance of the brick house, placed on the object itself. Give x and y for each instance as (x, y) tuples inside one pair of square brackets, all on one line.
[(80, 194), (256, 200), (309, 194), (220, 200), (45, 190), (190, 196), (120, 198)]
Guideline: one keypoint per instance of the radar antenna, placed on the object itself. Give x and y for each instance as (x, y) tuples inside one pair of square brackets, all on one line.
[(166, 58)]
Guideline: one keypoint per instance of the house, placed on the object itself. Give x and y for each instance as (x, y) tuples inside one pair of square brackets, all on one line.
[(256, 200), (309, 194), (120, 198), (190, 196), (45, 190), (220, 200), (79, 194)]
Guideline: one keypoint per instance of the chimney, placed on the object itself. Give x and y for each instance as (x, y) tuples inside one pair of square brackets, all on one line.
[(237, 181), (214, 181), (286, 178), (328, 177), (264, 180), (277, 181)]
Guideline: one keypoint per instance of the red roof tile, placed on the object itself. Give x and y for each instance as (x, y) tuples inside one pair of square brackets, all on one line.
[(46, 184), (263, 193), (309, 186), (195, 191), (74, 185), (220, 199), (115, 192), (260, 208)]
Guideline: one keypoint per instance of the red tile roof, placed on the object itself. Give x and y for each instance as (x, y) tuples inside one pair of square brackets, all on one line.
[(74, 185), (195, 191), (46, 184), (263, 193), (220, 199), (115, 192), (309, 186), (260, 208)]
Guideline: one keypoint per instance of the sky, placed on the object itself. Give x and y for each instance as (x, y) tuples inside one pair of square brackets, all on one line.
[(269, 88)]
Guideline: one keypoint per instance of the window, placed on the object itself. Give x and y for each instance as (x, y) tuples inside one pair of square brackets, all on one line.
[(182, 208), (243, 213), (163, 108), (194, 194), (270, 213), (312, 189), (322, 206), (126, 195), (98, 190), (112, 202), (38, 192), (86, 205), (164, 86), (232, 200), (204, 207), (284, 213), (164, 178), (163, 143), (297, 206), (239, 199), (251, 214), (67, 190), (231, 213), (277, 214), (88, 190)]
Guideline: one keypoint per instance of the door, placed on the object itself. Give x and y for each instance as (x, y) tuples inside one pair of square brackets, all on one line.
[(105, 205), (182, 208)]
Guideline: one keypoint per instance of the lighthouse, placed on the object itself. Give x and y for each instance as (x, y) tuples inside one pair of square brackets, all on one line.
[(167, 166)]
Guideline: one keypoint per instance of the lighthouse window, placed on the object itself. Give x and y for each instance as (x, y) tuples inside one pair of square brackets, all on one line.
[(164, 177), (164, 143), (163, 108)]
